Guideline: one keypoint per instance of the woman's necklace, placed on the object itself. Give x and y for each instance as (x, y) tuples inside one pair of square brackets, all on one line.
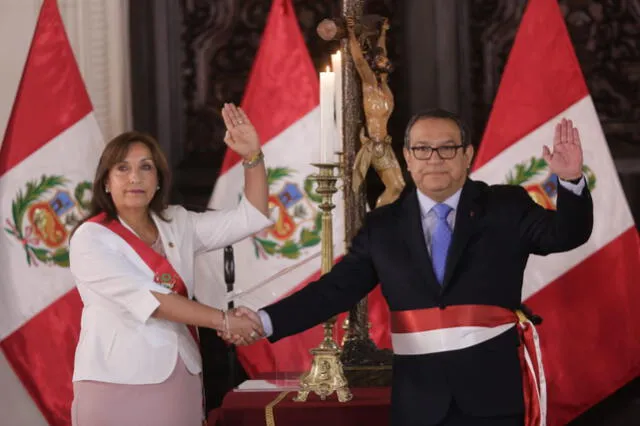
[(153, 240), (149, 238)]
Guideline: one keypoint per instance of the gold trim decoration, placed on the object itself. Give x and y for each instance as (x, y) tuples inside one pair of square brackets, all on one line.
[(522, 318), (269, 418)]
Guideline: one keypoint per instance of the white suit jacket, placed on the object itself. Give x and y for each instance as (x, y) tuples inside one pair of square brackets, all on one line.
[(119, 340)]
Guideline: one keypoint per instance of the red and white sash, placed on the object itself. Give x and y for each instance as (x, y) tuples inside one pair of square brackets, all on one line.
[(425, 331), (163, 272)]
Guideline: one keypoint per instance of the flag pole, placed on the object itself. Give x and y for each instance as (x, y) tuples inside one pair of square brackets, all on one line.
[(230, 279)]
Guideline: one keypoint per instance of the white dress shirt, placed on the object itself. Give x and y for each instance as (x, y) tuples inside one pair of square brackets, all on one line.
[(120, 342), (429, 218)]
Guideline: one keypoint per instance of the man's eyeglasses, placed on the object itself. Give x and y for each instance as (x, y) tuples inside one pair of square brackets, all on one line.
[(445, 152)]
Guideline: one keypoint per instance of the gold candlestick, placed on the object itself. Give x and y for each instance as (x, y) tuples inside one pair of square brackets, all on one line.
[(326, 375)]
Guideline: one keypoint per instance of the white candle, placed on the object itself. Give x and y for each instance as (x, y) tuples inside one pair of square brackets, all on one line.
[(327, 123), (336, 64)]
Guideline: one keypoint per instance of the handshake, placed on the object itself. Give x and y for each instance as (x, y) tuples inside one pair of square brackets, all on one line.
[(242, 326)]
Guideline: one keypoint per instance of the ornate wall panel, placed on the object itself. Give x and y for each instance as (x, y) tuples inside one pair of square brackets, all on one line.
[(493, 26), (606, 37), (221, 39)]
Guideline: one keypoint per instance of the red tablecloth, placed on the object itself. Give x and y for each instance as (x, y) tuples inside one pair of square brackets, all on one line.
[(369, 407)]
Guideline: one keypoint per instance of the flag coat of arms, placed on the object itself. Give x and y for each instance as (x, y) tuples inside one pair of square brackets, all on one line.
[(590, 333)]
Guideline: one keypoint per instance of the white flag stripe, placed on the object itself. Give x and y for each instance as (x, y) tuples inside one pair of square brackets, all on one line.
[(612, 216), (16, 405), (25, 291)]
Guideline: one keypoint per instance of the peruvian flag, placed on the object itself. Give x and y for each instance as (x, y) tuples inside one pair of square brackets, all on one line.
[(587, 297), (282, 101), (47, 160)]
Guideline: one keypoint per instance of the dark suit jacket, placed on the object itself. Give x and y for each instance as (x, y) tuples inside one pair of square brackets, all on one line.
[(496, 229)]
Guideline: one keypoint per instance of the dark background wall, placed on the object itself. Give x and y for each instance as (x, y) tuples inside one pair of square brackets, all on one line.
[(190, 56)]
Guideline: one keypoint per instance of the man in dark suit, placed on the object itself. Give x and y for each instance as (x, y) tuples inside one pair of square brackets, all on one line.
[(449, 256)]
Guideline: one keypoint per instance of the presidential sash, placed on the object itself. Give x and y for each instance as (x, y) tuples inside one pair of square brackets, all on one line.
[(433, 330)]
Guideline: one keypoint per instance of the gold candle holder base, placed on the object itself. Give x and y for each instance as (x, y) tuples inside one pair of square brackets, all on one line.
[(326, 375)]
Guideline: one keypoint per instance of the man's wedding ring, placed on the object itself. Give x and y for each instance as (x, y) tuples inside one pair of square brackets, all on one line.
[(253, 334)]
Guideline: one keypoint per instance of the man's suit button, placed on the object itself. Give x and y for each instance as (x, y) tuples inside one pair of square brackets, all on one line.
[(442, 306)]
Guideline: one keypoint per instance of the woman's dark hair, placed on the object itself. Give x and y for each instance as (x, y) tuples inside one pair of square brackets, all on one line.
[(115, 152)]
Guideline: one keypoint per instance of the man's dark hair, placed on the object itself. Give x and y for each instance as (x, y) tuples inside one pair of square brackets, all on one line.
[(438, 113)]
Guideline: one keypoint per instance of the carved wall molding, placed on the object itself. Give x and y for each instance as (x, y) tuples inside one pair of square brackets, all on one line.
[(605, 36), (221, 39)]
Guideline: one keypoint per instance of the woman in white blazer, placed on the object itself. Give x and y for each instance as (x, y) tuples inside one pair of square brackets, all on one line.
[(138, 360)]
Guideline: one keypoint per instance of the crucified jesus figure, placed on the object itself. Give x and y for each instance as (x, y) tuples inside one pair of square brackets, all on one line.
[(377, 101)]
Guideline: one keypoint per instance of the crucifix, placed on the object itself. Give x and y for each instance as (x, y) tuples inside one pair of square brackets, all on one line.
[(367, 103)]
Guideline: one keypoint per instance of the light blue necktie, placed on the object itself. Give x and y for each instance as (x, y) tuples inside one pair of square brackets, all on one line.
[(440, 241)]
